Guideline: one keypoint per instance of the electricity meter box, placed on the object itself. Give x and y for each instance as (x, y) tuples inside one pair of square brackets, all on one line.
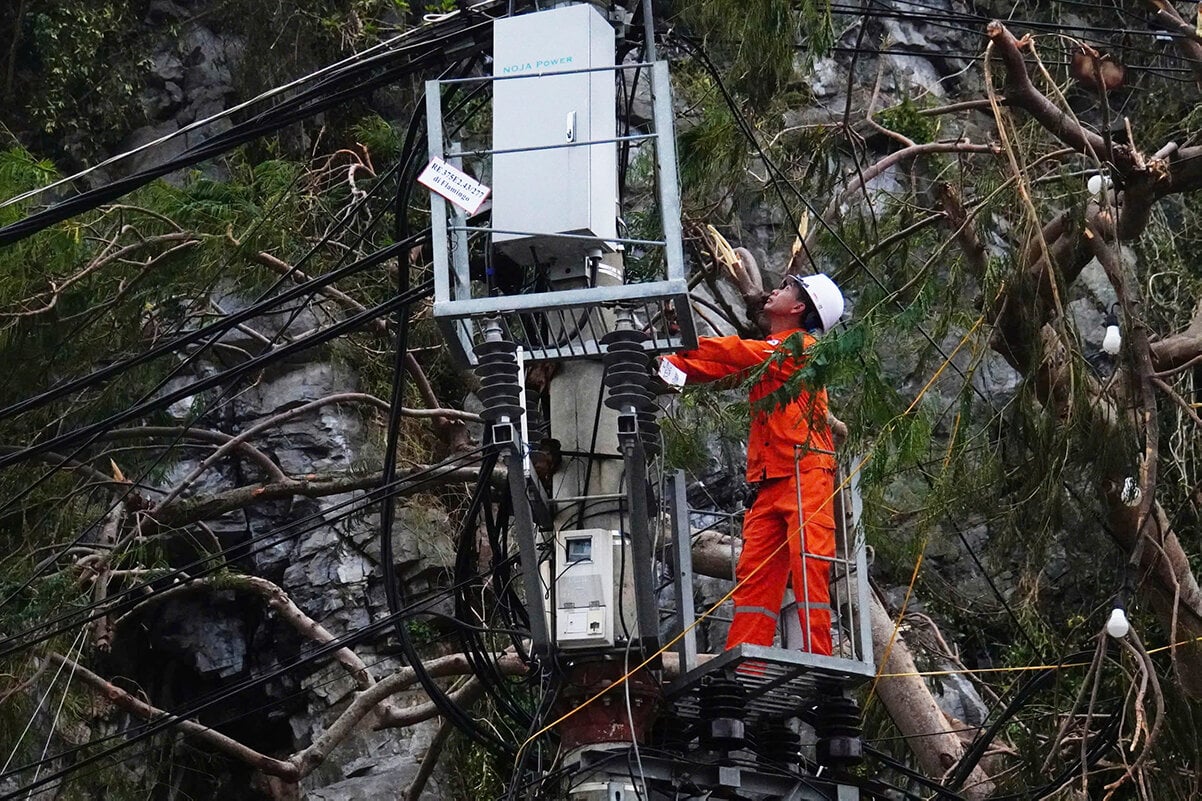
[(547, 107), (591, 600)]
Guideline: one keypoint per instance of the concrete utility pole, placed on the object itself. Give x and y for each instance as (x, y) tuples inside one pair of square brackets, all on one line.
[(590, 491)]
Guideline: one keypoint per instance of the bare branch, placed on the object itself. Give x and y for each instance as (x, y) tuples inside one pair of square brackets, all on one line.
[(979, 104), (394, 717), (1180, 401), (60, 462), (179, 512), (227, 442), (1174, 352), (214, 739), (283, 417), (102, 634), (380, 326), (363, 704), (831, 213), (309, 628), (58, 287)]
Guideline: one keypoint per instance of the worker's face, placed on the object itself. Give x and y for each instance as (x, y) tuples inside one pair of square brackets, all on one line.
[(784, 301)]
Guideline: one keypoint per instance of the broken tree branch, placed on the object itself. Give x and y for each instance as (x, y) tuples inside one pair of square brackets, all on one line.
[(240, 439), (831, 213), (181, 512), (216, 740)]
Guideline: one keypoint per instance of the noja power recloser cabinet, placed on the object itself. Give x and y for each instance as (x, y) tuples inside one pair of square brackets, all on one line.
[(568, 186), (590, 592)]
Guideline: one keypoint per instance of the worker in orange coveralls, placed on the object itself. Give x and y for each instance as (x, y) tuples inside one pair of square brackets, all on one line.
[(805, 306)]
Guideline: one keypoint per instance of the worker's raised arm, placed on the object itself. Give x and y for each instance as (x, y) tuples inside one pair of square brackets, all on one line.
[(719, 357)]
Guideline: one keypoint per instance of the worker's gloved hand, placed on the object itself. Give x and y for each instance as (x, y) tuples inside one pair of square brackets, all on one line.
[(666, 377)]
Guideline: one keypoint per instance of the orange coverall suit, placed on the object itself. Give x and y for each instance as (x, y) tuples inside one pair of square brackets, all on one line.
[(765, 566)]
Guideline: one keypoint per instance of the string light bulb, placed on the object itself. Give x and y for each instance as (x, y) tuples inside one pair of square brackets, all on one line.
[(1117, 625), (1131, 494), (1096, 183), (1114, 338)]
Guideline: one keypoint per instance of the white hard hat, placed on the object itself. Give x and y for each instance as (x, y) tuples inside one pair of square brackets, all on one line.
[(828, 300)]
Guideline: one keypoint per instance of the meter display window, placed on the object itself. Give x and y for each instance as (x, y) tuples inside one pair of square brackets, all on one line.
[(579, 550)]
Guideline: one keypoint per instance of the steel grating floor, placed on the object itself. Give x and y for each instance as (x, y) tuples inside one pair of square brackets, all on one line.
[(776, 682)]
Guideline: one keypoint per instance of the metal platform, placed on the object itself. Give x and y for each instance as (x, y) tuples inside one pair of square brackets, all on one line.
[(777, 682)]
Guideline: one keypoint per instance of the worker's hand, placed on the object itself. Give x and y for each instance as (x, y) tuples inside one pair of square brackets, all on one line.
[(838, 428), (667, 377), (739, 264)]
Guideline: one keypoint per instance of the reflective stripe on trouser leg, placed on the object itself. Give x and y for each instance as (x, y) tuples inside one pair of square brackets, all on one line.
[(817, 488), (772, 520), (760, 591)]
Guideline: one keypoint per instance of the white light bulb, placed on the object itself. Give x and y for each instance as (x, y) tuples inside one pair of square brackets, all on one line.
[(1131, 494), (1118, 625), (1094, 184), (1113, 340)]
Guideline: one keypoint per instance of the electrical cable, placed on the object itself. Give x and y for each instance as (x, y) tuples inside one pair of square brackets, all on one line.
[(392, 587), (550, 696), (245, 314), (309, 102), (91, 432), (208, 700), (929, 784), (132, 597), (351, 323), (1166, 72), (515, 613), (267, 95), (264, 301), (471, 643), (470, 640), (749, 134), (396, 405), (151, 728), (29, 488), (974, 753), (222, 326), (41, 700)]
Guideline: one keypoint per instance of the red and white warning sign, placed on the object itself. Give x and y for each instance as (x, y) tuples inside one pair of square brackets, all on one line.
[(455, 185)]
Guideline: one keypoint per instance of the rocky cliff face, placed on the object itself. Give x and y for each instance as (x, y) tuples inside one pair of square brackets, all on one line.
[(202, 644)]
